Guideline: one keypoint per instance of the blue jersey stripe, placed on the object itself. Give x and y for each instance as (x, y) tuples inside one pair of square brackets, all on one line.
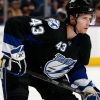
[(79, 74), (12, 40), (32, 39), (83, 87)]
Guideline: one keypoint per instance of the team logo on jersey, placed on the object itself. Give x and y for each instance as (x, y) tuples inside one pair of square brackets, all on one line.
[(59, 66), (53, 23)]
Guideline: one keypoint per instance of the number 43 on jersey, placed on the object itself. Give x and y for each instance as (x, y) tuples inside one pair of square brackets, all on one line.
[(34, 23), (61, 46)]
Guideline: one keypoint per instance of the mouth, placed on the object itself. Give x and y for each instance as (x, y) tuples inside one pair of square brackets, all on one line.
[(85, 28)]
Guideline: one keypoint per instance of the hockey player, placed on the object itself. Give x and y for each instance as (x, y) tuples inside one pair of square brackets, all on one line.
[(49, 47)]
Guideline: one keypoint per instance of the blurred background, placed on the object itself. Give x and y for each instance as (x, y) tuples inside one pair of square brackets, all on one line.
[(55, 8), (44, 8)]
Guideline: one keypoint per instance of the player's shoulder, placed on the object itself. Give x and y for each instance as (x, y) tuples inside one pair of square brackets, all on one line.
[(52, 22), (54, 18), (55, 23), (84, 36)]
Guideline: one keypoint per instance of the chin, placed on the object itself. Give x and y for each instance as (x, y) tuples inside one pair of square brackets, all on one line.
[(83, 32)]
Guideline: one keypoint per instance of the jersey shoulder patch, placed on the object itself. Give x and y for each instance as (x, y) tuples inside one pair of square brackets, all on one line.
[(53, 23)]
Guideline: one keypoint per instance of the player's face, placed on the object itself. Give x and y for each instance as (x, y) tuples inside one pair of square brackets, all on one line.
[(83, 22)]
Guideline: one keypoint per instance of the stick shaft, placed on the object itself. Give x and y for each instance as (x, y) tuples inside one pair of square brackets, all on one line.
[(44, 78)]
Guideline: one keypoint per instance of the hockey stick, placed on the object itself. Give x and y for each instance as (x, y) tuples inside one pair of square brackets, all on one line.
[(44, 78)]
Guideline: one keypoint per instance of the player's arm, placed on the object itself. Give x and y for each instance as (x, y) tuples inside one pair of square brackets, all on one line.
[(18, 29), (82, 60), (78, 76), (13, 48)]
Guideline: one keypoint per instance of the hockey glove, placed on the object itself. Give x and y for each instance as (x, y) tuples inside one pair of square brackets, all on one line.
[(94, 96), (15, 63)]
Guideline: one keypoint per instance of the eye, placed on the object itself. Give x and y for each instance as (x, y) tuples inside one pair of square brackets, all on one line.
[(84, 18)]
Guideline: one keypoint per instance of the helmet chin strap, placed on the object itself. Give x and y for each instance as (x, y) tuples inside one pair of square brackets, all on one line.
[(74, 26)]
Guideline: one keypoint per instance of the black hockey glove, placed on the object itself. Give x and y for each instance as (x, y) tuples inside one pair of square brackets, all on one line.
[(15, 63)]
